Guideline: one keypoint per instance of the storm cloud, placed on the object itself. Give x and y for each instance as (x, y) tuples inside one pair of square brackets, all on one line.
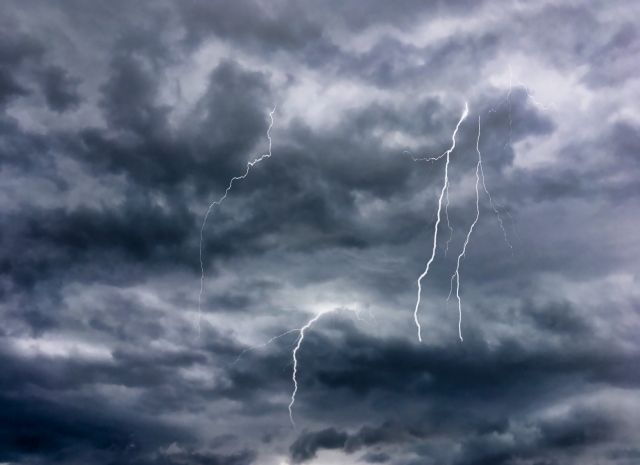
[(122, 124)]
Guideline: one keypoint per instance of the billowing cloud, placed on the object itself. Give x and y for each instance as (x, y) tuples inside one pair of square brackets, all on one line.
[(121, 123)]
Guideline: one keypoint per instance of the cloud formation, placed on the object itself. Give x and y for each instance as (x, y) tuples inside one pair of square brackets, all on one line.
[(120, 124)]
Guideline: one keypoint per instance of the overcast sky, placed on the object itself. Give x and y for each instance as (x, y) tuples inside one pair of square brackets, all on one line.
[(122, 122)]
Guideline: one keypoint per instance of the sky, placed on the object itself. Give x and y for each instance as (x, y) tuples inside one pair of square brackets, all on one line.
[(283, 330)]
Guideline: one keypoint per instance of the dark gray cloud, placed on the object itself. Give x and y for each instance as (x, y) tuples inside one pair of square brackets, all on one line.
[(121, 124), (59, 89), (308, 444)]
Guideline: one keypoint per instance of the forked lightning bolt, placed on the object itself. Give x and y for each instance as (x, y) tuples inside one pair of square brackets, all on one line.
[(456, 275), (445, 190), (435, 234), (217, 202)]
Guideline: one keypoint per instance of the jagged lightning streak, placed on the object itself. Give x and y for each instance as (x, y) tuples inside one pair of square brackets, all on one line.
[(526, 89), (298, 344), (295, 364), (217, 202), (456, 275), (435, 234), (480, 173), (295, 356)]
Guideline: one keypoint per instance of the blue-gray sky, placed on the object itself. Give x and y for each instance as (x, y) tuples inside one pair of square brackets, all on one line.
[(121, 122)]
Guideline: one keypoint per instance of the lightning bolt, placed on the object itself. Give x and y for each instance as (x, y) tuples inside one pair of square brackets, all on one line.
[(298, 344), (218, 202), (456, 275), (295, 364), (479, 174), (526, 89), (297, 348), (435, 234)]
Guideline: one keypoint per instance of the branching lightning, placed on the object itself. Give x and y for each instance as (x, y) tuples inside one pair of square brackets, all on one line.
[(456, 275), (218, 202), (444, 189)]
